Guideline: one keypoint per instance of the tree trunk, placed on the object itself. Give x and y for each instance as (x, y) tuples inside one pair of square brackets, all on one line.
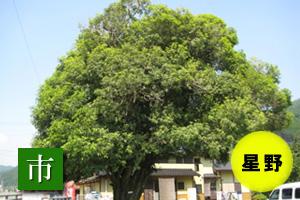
[(130, 188), (120, 187), (120, 192), (129, 185)]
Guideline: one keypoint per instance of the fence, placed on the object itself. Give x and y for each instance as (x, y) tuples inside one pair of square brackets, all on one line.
[(11, 196), (18, 196)]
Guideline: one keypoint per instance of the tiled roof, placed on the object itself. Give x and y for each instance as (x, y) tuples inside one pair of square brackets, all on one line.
[(90, 179), (222, 167), (93, 178), (210, 176)]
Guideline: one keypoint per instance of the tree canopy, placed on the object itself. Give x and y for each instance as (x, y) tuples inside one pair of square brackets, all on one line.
[(145, 82), (294, 127)]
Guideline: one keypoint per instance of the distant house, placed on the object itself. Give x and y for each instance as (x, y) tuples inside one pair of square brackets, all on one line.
[(228, 183), (181, 179)]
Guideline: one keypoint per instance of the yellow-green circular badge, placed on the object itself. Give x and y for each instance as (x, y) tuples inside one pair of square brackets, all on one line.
[(261, 161)]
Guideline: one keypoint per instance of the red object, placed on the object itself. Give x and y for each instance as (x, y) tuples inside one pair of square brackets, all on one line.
[(70, 190)]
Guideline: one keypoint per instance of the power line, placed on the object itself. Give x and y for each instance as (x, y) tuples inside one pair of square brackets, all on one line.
[(26, 42)]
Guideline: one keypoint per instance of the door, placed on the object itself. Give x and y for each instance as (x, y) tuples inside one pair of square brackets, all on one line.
[(167, 189), (206, 188)]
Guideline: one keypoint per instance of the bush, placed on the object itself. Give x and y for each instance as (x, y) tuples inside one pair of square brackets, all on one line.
[(259, 196)]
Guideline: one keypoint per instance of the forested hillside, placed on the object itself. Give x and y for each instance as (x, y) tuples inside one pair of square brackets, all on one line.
[(294, 128), (9, 176)]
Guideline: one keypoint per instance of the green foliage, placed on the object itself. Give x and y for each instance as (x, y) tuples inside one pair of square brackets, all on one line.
[(294, 127), (4, 168), (145, 82), (259, 196)]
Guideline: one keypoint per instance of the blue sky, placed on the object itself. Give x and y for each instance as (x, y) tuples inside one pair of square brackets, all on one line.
[(268, 30)]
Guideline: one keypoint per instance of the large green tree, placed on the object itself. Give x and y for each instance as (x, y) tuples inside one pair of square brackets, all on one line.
[(145, 82)]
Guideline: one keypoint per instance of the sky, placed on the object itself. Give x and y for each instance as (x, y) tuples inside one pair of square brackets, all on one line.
[(268, 30)]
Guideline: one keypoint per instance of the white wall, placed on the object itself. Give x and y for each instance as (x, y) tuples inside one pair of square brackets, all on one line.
[(35, 195)]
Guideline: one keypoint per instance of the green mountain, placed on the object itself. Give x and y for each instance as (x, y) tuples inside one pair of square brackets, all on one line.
[(294, 128), (9, 177), (4, 168)]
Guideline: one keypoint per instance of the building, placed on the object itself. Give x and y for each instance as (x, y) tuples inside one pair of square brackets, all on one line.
[(179, 179), (228, 184)]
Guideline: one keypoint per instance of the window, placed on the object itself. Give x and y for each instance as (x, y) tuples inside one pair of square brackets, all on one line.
[(196, 164), (213, 185), (199, 188), (180, 185), (297, 193), (274, 195), (162, 160), (287, 193), (188, 160), (197, 160), (196, 167)]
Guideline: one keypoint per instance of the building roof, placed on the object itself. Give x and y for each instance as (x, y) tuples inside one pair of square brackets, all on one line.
[(90, 179), (93, 178), (174, 172), (210, 176), (222, 167)]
